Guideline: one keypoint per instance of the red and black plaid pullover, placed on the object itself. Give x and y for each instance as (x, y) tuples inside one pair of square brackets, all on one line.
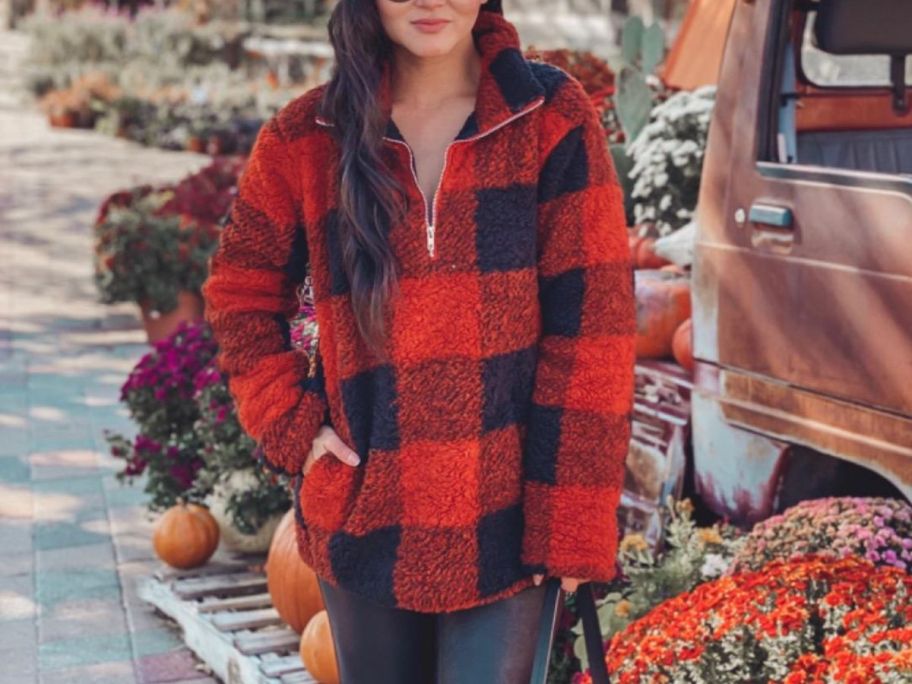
[(493, 441)]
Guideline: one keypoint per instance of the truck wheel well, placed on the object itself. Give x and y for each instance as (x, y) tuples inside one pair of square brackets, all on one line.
[(809, 474)]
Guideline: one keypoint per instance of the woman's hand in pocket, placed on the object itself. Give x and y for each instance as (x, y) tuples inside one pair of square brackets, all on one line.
[(328, 441)]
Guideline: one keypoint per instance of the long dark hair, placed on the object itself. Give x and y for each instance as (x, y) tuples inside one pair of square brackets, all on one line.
[(370, 199)]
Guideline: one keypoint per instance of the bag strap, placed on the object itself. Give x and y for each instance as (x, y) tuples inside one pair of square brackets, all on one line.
[(592, 632), (546, 627)]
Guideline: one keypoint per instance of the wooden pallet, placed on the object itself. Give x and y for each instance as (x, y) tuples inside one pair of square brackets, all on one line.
[(660, 433), (228, 620)]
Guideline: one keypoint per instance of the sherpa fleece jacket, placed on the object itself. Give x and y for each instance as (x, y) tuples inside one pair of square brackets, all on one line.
[(493, 440)]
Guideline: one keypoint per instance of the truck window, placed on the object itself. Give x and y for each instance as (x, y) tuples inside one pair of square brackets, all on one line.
[(847, 112), (828, 71)]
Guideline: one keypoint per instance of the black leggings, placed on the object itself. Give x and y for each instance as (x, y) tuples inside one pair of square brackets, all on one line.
[(490, 644)]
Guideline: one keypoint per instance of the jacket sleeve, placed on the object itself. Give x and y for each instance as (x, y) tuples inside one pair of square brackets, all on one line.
[(579, 425), (251, 293)]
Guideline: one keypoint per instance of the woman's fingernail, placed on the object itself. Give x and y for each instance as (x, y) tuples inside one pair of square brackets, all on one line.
[(354, 460)]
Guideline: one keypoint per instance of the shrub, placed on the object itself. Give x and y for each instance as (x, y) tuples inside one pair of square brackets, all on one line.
[(596, 77), (159, 394), (145, 255), (691, 555), (668, 160), (227, 449), (812, 619), (189, 439), (151, 243), (878, 529), (163, 43)]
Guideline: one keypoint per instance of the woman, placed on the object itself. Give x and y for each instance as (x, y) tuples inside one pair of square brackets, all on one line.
[(459, 433)]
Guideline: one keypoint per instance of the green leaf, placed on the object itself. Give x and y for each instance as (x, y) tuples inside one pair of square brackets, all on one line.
[(634, 102), (653, 49), (632, 39), (579, 650), (622, 165), (606, 613)]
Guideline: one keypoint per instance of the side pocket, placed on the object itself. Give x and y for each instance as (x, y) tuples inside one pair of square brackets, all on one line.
[(299, 491), (327, 492)]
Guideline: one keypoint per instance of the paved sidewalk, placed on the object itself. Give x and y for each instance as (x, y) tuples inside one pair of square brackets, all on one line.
[(72, 539)]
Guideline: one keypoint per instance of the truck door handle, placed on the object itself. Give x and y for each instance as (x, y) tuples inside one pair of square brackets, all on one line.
[(771, 215)]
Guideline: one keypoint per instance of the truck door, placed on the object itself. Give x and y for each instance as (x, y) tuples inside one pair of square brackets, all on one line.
[(803, 265)]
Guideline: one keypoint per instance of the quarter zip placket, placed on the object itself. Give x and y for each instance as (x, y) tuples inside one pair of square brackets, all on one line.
[(430, 224)]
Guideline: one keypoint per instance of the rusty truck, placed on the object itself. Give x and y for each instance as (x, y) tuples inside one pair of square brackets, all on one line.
[(802, 267)]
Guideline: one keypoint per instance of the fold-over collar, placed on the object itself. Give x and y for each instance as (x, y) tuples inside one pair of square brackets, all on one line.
[(506, 86)]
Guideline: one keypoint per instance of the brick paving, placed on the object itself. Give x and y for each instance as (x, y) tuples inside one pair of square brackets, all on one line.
[(73, 540)]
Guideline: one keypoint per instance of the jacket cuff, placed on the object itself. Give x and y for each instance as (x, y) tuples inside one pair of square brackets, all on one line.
[(285, 444), (570, 530)]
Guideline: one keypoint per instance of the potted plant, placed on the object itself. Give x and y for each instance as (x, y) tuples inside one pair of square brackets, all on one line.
[(64, 108), (79, 104), (207, 194), (157, 259), (247, 501), (191, 446), (667, 157), (152, 244), (159, 395), (197, 135)]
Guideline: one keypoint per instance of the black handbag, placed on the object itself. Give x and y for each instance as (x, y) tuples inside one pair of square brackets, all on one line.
[(592, 632)]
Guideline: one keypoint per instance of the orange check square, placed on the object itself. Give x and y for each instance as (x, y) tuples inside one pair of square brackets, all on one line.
[(440, 483), (436, 317)]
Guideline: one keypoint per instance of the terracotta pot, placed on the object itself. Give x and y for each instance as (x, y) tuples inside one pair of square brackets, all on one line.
[(63, 120), (159, 326), (196, 144), (215, 145)]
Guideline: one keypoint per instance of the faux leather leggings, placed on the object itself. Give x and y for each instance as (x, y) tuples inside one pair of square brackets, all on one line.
[(489, 644)]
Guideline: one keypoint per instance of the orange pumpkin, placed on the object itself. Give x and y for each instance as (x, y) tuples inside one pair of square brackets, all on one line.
[(207, 517), (663, 303), (186, 536), (646, 256), (318, 653), (633, 242), (682, 345), (292, 583)]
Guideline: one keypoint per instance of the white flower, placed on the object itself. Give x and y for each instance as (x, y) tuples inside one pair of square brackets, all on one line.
[(668, 157), (713, 565)]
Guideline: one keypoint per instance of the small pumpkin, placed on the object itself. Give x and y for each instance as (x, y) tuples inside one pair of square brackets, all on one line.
[(185, 536), (682, 345), (633, 241), (662, 303), (207, 516), (318, 653), (291, 582), (646, 256)]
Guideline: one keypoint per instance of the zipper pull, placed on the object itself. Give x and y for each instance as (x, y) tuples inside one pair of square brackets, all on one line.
[(430, 239)]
